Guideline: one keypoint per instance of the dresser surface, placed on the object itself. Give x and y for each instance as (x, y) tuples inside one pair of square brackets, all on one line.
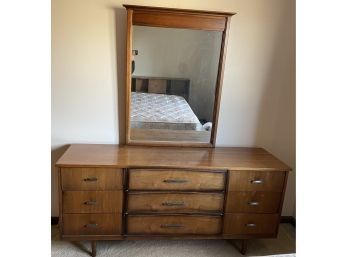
[(111, 192)]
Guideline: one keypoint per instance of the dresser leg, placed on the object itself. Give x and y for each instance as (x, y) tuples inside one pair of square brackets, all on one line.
[(94, 248), (244, 246)]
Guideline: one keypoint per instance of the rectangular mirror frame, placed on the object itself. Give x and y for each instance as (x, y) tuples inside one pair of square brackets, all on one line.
[(176, 18)]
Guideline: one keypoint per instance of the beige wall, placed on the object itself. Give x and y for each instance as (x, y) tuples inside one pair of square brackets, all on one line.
[(258, 96)]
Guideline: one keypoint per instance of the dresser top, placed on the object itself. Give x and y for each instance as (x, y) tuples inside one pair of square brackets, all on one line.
[(229, 158)]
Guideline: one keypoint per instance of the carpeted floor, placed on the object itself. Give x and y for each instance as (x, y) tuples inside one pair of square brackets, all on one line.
[(284, 244)]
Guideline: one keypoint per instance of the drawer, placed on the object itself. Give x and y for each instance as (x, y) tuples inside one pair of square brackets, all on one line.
[(91, 178), (92, 201), (271, 181), (253, 202), (169, 225), (250, 224), (177, 202), (147, 179), (92, 224)]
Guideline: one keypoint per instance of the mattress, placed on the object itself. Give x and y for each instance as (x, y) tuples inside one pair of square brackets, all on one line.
[(160, 111)]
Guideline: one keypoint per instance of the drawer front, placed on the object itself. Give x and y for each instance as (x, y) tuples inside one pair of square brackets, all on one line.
[(141, 179), (271, 181), (175, 202), (253, 202), (92, 224), (91, 178), (92, 201), (169, 225), (250, 224)]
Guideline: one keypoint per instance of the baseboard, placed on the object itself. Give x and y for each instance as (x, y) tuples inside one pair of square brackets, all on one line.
[(54, 220), (283, 219), (288, 219)]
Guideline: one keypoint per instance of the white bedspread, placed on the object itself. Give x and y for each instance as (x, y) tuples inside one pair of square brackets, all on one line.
[(162, 109)]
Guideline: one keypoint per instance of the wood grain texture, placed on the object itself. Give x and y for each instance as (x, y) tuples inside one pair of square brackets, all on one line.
[(220, 158), (247, 181), (249, 224), (252, 202), (159, 225), (92, 201), (91, 178), (178, 20), (177, 10), (92, 224), (157, 179), (175, 202)]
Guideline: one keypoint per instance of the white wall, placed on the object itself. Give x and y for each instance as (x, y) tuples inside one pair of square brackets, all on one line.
[(258, 95)]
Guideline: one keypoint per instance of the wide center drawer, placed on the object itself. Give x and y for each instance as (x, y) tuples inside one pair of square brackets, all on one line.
[(160, 179), (178, 202), (169, 225), (92, 201), (91, 178)]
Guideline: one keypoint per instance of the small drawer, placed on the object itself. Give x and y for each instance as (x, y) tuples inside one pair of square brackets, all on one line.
[(92, 224), (271, 181), (250, 224), (91, 178), (178, 202), (169, 225), (157, 179), (253, 202), (92, 201)]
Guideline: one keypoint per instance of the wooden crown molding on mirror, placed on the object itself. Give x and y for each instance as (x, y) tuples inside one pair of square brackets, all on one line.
[(181, 19)]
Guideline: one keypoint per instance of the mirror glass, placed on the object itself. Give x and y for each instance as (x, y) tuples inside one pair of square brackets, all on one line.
[(174, 73)]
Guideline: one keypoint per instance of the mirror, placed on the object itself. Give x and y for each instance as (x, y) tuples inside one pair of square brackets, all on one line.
[(173, 84), (174, 71)]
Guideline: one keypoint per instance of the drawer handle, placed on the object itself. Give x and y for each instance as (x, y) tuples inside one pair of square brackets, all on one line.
[(250, 225), (92, 202), (91, 225), (173, 204), (172, 226), (175, 181), (90, 179), (254, 203), (256, 181)]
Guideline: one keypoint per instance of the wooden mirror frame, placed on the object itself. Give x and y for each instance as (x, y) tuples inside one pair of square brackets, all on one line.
[(176, 18)]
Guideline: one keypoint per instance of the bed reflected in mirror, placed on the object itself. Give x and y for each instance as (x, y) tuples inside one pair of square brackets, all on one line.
[(173, 84)]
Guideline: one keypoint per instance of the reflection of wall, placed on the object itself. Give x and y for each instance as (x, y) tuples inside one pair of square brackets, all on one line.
[(258, 93), (181, 53)]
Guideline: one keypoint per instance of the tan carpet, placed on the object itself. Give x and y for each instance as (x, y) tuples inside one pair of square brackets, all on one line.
[(285, 243)]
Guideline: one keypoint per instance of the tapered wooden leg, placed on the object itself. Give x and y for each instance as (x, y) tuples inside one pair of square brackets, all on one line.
[(94, 248), (244, 246)]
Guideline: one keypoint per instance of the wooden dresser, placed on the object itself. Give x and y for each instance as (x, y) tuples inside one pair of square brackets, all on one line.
[(111, 192)]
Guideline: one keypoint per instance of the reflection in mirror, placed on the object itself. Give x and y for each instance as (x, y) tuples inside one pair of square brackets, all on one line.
[(174, 73)]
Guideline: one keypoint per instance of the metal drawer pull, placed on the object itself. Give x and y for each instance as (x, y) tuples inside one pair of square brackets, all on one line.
[(254, 203), (173, 204), (251, 225), (175, 181), (90, 179), (257, 181), (91, 225), (91, 202), (172, 226)]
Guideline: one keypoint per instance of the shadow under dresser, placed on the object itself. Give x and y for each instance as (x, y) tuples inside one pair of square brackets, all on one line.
[(111, 192)]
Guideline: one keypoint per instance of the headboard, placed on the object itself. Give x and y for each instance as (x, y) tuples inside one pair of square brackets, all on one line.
[(162, 85)]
